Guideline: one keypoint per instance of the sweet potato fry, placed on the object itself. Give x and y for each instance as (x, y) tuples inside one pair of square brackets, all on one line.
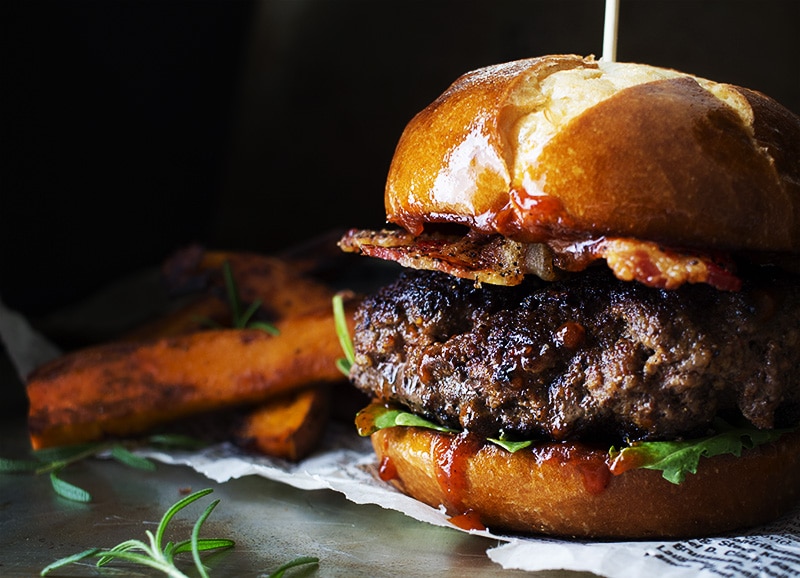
[(198, 314), (122, 389), (288, 427), (283, 287), (280, 286)]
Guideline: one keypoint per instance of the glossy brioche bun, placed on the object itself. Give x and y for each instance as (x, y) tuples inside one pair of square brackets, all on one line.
[(558, 493), (566, 146)]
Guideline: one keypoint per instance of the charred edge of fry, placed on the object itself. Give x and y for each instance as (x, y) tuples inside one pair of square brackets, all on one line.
[(124, 389), (288, 427)]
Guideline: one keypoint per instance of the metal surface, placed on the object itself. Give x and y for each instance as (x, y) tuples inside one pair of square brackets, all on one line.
[(270, 522)]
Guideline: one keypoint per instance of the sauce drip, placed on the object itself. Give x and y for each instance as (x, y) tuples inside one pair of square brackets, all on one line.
[(366, 419), (595, 474), (532, 217), (591, 464), (450, 455), (469, 520), (624, 461), (387, 471)]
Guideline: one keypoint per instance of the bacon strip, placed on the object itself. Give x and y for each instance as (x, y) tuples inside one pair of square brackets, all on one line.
[(501, 261), (655, 266), (483, 258)]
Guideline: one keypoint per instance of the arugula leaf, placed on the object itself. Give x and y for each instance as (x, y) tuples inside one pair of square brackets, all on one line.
[(675, 459), (377, 417), (679, 458), (343, 364), (511, 446), (404, 418)]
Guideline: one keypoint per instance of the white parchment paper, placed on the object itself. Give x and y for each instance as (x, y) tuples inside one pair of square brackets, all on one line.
[(346, 464)]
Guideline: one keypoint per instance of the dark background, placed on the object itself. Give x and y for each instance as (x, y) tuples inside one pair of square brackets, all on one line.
[(133, 128)]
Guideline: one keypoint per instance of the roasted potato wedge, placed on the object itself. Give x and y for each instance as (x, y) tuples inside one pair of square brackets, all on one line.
[(282, 289), (198, 314), (288, 427), (122, 389)]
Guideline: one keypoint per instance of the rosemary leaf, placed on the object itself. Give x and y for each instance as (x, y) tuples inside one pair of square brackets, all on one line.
[(125, 456), (69, 560), (176, 441), (67, 490), (151, 555), (300, 561), (10, 466), (198, 563)]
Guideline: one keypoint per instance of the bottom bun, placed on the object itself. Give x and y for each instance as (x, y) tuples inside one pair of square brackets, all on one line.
[(567, 489)]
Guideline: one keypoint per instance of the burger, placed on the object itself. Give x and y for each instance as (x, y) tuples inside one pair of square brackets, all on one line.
[(596, 329)]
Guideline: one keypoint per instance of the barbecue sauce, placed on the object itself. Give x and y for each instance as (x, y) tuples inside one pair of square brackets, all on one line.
[(591, 464), (387, 471), (450, 455), (469, 520)]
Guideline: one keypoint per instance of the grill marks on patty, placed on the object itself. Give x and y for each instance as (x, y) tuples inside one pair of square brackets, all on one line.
[(586, 357)]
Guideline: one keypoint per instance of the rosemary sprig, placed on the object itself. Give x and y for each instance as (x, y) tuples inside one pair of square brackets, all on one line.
[(153, 555), (53, 461), (239, 319)]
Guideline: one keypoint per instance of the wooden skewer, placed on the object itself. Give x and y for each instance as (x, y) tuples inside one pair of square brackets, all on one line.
[(610, 31)]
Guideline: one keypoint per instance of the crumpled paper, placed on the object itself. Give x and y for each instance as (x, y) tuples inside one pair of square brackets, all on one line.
[(346, 464)]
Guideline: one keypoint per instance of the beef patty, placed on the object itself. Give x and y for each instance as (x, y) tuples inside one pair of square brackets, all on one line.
[(581, 358)]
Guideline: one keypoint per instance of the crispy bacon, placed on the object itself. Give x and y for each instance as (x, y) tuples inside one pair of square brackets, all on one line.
[(483, 258), (501, 261), (656, 266)]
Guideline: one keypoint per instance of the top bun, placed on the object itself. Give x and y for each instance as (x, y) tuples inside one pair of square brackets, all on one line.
[(566, 147)]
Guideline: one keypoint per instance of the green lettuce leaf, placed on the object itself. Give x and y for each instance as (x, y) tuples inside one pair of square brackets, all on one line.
[(378, 417), (676, 459), (388, 417), (510, 446)]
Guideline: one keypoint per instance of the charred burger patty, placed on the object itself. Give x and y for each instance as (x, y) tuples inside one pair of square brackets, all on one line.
[(587, 358)]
